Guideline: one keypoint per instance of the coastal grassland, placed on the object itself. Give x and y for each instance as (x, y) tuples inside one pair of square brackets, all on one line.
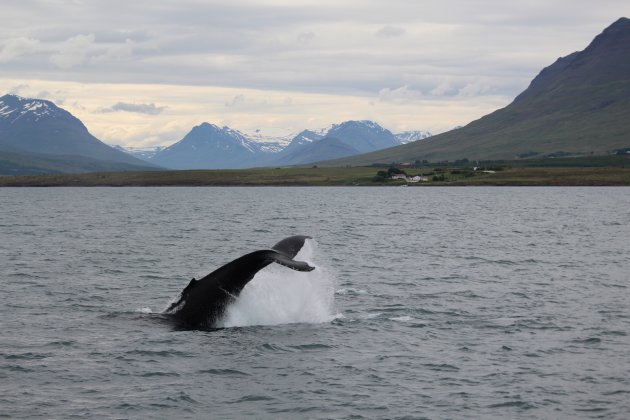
[(314, 176), (554, 176)]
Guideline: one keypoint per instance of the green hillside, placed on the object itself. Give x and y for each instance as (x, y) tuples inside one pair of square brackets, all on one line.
[(579, 106), (16, 162)]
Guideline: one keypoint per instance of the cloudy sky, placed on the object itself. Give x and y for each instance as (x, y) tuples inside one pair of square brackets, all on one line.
[(144, 72)]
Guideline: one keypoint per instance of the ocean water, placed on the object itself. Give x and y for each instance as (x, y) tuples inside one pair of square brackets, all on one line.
[(426, 303)]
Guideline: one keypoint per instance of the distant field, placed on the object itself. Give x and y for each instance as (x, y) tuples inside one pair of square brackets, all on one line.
[(252, 177), (331, 177)]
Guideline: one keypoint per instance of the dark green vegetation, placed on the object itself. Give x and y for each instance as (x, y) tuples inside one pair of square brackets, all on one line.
[(218, 177), (611, 170), (13, 162), (578, 106)]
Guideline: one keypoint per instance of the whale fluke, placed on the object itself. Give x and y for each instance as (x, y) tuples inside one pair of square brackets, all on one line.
[(203, 301), (291, 246)]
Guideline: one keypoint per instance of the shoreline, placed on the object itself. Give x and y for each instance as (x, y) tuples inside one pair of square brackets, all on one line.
[(306, 177)]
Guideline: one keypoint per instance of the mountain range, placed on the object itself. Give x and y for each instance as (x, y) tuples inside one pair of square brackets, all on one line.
[(36, 136), (208, 146), (577, 106)]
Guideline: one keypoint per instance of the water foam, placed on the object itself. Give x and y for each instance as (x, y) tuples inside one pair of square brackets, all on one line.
[(278, 295)]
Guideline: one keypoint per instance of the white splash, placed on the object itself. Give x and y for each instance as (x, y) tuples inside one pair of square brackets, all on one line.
[(145, 310), (278, 295)]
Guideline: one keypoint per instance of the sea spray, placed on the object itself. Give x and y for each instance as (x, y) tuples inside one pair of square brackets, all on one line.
[(278, 295)]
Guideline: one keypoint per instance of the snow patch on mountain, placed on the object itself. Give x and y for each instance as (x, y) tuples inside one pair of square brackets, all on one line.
[(13, 107), (411, 136), (144, 153)]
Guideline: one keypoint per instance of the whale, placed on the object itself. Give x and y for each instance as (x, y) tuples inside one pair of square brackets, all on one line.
[(203, 302)]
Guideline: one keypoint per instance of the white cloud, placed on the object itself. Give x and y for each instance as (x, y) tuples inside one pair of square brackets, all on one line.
[(401, 95), (14, 48), (443, 88), (116, 52), (476, 88), (73, 51)]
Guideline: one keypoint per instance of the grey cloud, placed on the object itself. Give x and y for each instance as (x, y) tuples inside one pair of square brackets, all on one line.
[(149, 109), (252, 43), (306, 37), (73, 52), (14, 48), (236, 101), (390, 32)]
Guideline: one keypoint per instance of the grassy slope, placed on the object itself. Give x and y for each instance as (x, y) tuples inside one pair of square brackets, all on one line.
[(23, 163), (254, 177)]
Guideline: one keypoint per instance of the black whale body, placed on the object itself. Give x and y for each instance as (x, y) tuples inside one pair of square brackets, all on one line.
[(203, 302)]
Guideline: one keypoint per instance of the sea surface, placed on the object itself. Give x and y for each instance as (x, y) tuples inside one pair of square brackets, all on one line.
[(433, 303)]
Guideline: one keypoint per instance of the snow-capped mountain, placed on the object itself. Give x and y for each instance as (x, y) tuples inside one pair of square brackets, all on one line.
[(350, 138), (208, 146), (365, 136), (268, 143), (302, 139), (410, 136), (13, 108), (39, 126), (316, 151)]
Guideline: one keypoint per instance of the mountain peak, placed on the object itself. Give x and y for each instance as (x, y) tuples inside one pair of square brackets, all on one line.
[(623, 23), (39, 126), (13, 107), (615, 36)]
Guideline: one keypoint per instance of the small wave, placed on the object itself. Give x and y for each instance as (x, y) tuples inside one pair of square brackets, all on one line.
[(405, 318), (590, 340), (443, 367), (309, 347), (518, 404), (351, 291), (152, 374), (26, 356), (224, 372), (182, 396), (250, 398), (274, 348), (62, 343), (616, 392), (161, 353), (614, 332)]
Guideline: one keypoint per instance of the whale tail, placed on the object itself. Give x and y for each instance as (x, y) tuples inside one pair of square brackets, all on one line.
[(208, 296), (291, 246)]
